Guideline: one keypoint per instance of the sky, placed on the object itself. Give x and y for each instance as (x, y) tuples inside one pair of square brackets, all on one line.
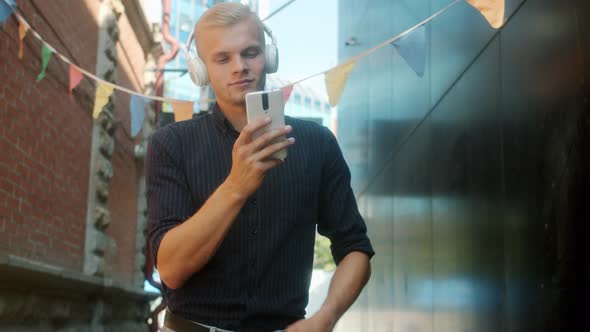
[(306, 33), (307, 37)]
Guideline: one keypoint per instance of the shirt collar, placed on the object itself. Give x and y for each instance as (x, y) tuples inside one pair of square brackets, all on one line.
[(222, 123)]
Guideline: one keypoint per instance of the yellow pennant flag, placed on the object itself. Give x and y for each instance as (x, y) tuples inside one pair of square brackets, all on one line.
[(336, 80), (183, 110), (103, 92), (22, 32), (492, 10)]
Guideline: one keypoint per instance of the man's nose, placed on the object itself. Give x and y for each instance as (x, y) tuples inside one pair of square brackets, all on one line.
[(240, 64)]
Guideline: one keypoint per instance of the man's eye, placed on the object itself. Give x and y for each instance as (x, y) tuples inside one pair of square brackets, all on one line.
[(221, 60), (252, 54)]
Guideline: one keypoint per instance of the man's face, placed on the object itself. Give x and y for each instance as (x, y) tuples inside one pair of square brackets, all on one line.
[(235, 60)]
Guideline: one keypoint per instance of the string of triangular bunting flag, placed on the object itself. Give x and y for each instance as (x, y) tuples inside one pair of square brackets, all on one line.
[(406, 137), (104, 89), (410, 44)]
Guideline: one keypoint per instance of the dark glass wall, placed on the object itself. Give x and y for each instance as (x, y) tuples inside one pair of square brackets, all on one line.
[(473, 178)]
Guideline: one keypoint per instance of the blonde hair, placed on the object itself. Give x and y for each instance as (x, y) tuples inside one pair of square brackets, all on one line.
[(226, 14)]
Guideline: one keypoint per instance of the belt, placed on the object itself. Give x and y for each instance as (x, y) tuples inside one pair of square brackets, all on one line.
[(176, 323), (179, 324)]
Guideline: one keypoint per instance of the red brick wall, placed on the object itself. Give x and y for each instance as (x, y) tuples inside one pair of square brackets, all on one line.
[(45, 140)]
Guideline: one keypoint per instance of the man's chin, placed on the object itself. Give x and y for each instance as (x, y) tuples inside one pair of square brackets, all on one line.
[(240, 98)]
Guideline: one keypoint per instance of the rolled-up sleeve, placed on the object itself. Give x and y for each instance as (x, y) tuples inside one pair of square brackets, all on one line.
[(340, 220), (168, 196)]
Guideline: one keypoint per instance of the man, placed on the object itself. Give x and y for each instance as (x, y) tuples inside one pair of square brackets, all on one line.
[(232, 230)]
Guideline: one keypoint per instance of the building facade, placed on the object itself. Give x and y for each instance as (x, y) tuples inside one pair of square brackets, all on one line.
[(472, 177), (306, 103), (72, 211)]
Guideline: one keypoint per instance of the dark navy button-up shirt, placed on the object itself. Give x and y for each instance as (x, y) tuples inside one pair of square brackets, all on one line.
[(258, 279)]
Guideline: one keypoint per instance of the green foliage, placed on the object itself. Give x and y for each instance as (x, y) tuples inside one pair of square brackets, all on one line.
[(322, 258)]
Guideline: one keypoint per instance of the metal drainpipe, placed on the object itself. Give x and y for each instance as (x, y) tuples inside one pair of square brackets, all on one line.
[(164, 58)]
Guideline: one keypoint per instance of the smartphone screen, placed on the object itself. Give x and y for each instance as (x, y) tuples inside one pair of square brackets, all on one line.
[(267, 103)]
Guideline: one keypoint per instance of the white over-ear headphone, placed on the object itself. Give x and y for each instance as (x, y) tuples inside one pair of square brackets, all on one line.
[(198, 70)]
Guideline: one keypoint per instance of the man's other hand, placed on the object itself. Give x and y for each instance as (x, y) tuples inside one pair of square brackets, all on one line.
[(316, 323)]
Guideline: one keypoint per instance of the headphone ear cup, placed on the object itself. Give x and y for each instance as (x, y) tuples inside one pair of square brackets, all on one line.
[(271, 54), (198, 71)]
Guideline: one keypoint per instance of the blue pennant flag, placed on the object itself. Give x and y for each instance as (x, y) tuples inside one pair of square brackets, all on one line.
[(412, 48), (137, 110), (6, 9)]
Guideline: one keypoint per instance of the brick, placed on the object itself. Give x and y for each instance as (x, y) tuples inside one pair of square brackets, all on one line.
[(39, 239), (6, 186), (10, 97), (11, 227)]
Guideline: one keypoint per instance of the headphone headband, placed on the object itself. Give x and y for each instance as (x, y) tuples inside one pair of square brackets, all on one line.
[(190, 38)]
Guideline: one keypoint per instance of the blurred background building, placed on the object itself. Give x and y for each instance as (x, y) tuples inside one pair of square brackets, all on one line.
[(472, 178), (72, 217)]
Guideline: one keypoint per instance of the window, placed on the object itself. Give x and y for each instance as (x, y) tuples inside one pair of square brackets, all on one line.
[(297, 103), (307, 104), (186, 24)]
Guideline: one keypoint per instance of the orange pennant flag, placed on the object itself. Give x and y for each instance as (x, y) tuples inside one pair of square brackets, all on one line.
[(492, 10), (103, 92), (75, 77), (183, 110), (22, 32), (336, 80)]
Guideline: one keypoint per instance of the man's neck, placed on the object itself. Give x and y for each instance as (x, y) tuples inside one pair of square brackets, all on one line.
[(235, 114)]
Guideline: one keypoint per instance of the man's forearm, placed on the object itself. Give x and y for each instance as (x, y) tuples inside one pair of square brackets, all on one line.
[(350, 277), (186, 248)]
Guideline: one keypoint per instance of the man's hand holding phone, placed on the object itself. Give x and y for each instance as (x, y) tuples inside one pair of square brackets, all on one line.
[(262, 104), (251, 157)]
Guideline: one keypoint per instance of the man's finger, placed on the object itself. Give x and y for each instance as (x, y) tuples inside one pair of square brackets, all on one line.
[(275, 147), (268, 137), (249, 130)]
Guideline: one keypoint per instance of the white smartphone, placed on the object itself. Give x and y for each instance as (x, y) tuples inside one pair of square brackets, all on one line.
[(267, 103)]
